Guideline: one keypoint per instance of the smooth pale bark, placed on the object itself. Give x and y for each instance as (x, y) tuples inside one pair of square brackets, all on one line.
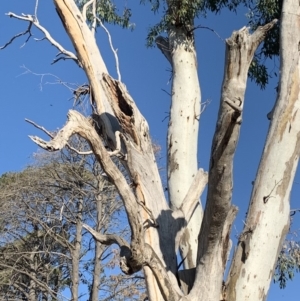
[(268, 214), (140, 253), (91, 61), (156, 229), (219, 213), (183, 134)]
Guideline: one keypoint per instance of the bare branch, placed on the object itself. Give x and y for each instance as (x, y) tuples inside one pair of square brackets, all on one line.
[(166, 285), (58, 80), (33, 20), (240, 49), (294, 211), (261, 32), (78, 124), (36, 8), (19, 35), (112, 48), (85, 7), (52, 136), (94, 24), (40, 127), (107, 239), (210, 29)]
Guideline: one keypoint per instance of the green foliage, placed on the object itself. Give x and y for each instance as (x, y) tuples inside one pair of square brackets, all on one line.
[(217, 5), (108, 12), (261, 12), (258, 72), (178, 13), (288, 263)]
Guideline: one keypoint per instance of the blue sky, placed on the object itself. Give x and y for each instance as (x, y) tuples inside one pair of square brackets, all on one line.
[(146, 74)]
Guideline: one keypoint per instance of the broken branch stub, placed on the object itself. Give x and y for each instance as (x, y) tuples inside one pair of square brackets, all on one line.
[(240, 48)]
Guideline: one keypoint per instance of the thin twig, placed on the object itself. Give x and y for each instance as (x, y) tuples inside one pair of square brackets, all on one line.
[(40, 127), (19, 35), (167, 116), (112, 48), (34, 21), (36, 8), (167, 92), (293, 211), (58, 80), (208, 28)]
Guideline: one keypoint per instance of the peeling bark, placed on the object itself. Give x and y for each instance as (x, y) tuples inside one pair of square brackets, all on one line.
[(90, 59), (139, 253), (262, 237), (157, 230), (240, 48)]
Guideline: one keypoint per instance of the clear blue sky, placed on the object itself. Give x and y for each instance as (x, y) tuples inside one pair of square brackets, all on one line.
[(145, 73)]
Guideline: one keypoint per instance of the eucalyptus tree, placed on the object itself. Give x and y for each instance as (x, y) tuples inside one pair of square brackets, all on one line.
[(117, 132)]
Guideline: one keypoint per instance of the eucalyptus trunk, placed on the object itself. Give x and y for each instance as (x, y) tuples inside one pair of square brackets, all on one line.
[(158, 230), (268, 217)]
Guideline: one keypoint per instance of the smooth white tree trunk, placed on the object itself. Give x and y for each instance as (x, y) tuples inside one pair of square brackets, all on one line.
[(158, 230), (183, 135)]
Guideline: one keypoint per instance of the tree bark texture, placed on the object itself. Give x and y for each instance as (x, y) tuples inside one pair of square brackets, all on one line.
[(159, 230), (219, 213), (183, 131), (269, 209)]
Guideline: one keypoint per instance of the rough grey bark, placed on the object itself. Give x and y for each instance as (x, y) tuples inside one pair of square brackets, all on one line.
[(157, 230)]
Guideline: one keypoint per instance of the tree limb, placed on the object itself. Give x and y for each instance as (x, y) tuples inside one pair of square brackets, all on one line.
[(162, 44), (34, 21), (192, 198), (107, 239), (240, 48)]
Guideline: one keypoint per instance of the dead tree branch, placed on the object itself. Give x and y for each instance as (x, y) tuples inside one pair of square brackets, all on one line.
[(27, 31), (34, 21), (53, 135), (241, 47)]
